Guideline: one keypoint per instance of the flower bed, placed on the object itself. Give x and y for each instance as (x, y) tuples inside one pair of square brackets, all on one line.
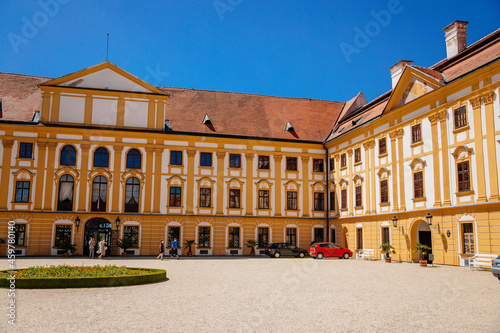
[(39, 277)]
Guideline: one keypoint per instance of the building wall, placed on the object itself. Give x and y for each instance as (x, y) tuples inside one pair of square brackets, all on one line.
[(437, 154)]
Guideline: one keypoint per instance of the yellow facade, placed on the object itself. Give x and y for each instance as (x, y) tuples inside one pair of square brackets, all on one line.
[(375, 183)]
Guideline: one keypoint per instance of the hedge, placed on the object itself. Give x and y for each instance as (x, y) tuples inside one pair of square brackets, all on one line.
[(150, 276)]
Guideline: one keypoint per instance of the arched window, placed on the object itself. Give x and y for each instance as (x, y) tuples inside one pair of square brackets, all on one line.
[(132, 192), (101, 157), (68, 155), (66, 188), (99, 194), (134, 159)]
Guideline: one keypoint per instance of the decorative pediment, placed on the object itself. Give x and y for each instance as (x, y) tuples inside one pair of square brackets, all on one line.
[(412, 84), (104, 76)]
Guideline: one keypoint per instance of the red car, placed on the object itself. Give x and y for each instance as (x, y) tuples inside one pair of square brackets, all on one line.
[(326, 249)]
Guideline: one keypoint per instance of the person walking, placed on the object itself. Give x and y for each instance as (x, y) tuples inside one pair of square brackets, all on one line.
[(161, 249), (91, 248), (102, 249), (173, 251)]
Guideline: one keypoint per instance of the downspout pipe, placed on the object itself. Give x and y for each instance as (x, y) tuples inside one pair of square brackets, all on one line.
[(327, 199)]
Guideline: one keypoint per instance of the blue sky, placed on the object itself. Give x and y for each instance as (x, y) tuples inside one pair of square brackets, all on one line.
[(289, 48)]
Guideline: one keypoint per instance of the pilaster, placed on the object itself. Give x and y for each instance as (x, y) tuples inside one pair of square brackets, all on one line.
[(249, 183), (478, 143)]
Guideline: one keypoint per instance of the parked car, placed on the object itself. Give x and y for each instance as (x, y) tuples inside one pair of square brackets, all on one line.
[(327, 249), (277, 250), (495, 267)]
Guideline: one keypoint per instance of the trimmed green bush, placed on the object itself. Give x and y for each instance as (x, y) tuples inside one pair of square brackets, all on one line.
[(149, 275)]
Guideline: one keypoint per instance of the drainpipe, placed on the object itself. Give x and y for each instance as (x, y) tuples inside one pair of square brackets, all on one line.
[(327, 199)]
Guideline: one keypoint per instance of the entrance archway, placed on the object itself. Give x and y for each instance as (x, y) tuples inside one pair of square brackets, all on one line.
[(98, 228), (420, 233)]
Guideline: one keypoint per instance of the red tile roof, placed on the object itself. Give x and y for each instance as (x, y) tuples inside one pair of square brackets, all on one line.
[(231, 113), (250, 115), (20, 95)]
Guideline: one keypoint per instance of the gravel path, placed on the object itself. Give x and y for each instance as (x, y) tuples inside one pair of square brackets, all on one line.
[(266, 295)]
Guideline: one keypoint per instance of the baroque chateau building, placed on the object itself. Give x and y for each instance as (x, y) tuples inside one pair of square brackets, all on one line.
[(100, 153)]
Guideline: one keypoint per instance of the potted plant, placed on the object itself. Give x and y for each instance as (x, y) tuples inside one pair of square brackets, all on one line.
[(423, 250), (387, 248), (251, 244), (188, 244), (67, 247), (125, 243)]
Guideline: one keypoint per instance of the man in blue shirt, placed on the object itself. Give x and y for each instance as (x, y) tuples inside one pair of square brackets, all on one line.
[(173, 251)]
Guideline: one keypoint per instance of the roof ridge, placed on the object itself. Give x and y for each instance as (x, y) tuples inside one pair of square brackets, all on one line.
[(252, 94), (34, 76)]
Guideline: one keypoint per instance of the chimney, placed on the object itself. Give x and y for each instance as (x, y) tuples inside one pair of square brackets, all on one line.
[(456, 38), (397, 70)]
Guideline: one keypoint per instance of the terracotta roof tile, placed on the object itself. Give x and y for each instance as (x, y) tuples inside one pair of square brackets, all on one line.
[(20, 95), (250, 115), (231, 113)]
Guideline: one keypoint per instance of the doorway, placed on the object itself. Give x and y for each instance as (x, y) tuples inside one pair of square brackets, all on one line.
[(98, 228), (424, 235)]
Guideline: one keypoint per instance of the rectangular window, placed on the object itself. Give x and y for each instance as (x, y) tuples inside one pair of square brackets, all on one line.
[(234, 160), (343, 160), (63, 233), (418, 184), (385, 236), (206, 159), (460, 116), (319, 201), (291, 236), (205, 197), (234, 237), (357, 155), (416, 134), (333, 237), (343, 199), (359, 239), (175, 196), (263, 162), (19, 235), (132, 232), (204, 237), (173, 232), (463, 176), (384, 193), (319, 235), (359, 198), (332, 200), (332, 164), (468, 238), (382, 146), (22, 191), (291, 200), (263, 237), (234, 198), (318, 165), (263, 199), (291, 163), (25, 150), (175, 157)]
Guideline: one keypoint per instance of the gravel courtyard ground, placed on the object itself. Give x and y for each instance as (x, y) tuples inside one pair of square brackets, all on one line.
[(266, 295)]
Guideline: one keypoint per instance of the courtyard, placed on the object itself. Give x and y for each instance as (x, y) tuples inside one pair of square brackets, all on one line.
[(259, 294)]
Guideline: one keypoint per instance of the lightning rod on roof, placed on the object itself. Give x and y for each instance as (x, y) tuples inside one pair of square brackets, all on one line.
[(107, 47)]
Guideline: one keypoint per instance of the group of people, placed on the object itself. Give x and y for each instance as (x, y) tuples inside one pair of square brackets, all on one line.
[(101, 251), (173, 250)]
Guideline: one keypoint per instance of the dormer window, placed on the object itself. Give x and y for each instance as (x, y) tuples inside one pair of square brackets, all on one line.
[(207, 120), (289, 127)]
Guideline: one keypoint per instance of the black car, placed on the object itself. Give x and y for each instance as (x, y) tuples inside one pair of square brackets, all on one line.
[(277, 250)]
